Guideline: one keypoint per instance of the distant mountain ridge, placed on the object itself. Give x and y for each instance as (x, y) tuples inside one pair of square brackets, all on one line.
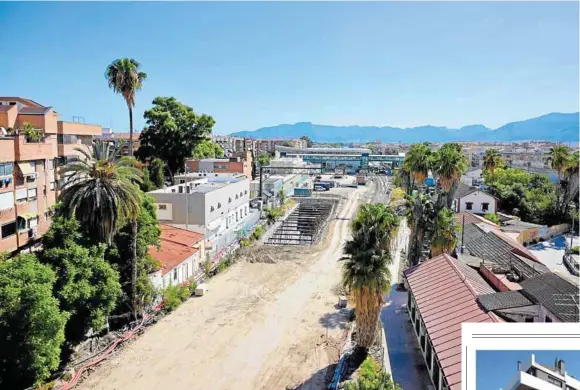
[(562, 127)]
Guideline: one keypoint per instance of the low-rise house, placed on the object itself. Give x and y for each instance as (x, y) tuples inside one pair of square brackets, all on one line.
[(536, 376), (442, 294), (180, 255), (241, 164), (548, 297), (474, 200)]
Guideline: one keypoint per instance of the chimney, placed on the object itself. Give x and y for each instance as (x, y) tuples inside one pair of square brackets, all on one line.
[(519, 365), (561, 367)]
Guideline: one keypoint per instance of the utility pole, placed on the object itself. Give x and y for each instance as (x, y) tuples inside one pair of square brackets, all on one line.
[(462, 232), (187, 189), (572, 208)]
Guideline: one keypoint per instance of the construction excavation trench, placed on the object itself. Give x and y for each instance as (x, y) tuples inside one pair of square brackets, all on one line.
[(304, 225)]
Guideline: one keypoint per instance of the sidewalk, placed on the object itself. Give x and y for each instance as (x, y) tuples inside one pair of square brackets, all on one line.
[(403, 357)]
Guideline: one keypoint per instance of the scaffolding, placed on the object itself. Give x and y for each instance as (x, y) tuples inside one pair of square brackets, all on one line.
[(304, 224)]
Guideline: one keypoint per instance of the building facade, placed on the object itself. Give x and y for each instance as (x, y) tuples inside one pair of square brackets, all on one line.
[(241, 164), (29, 164), (473, 200), (536, 376), (217, 207)]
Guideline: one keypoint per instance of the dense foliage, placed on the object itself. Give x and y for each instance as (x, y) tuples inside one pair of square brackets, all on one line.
[(172, 132), (445, 233), (372, 377), (308, 140), (31, 323), (86, 285), (207, 149)]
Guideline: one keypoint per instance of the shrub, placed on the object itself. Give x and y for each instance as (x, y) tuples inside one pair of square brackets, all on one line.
[(576, 250), (246, 242), (222, 266), (273, 213), (372, 377), (258, 232), (172, 298), (192, 285), (492, 217), (207, 268)]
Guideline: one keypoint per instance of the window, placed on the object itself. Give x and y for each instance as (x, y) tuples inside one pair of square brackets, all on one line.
[(554, 381), (468, 205), (162, 207), (245, 192), (241, 194), (30, 179), (175, 274), (6, 201), (40, 165), (229, 200), (21, 195), (219, 205), (20, 223), (32, 192), (428, 355), (436, 374), (9, 229), (211, 209), (6, 169), (32, 222), (181, 181), (484, 206), (236, 196)]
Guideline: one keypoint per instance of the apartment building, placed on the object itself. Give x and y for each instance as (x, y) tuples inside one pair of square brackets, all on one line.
[(217, 207), (240, 163), (268, 145), (28, 167), (536, 376), (231, 144)]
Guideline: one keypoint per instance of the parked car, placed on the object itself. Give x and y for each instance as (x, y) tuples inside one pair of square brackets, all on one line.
[(320, 188)]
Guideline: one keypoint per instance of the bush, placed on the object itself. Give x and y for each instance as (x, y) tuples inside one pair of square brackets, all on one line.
[(576, 250), (492, 217), (372, 377), (273, 213), (173, 296), (258, 232), (222, 266), (246, 242), (192, 285), (207, 268)]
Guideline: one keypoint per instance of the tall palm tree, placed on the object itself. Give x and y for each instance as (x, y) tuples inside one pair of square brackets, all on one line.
[(366, 270), (571, 174), (417, 161), (492, 160), (558, 158), (445, 233), (125, 79), (101, 191), (420, 214), (449, 163)]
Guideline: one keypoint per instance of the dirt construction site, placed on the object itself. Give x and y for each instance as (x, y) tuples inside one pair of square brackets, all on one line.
[(268, 322)]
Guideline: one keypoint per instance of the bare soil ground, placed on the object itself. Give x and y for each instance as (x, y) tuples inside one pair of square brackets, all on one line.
[(267, 323)]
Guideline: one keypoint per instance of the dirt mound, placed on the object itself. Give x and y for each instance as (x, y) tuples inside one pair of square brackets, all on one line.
[(273, 254)]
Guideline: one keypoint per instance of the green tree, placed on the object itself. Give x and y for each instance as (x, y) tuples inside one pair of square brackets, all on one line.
[(365, 272), (418, 162), (372, 377), (157, 172), (31, 324), (570, 182), (147, 185), (172, 132), (86, 285), (282, 196), (207, 149), (558, 158), (264, 159), (148, 232), (449, 163), (101, 192), (445, 233), (287, 143), (492, 160), (124, 78), (308, 140)]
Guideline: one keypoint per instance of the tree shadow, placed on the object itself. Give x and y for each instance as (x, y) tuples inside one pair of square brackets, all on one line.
[(336, 320), (318, 381)]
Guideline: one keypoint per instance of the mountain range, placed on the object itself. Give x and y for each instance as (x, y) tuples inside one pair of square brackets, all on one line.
[(560, 127)]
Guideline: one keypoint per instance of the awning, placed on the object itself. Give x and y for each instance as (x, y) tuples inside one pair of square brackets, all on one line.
[(28, 215), (25, 168)]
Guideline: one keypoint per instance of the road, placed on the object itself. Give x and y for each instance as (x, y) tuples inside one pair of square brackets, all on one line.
[(551, 252), (260, 326)]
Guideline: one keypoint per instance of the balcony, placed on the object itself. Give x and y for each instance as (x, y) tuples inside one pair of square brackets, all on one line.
[(43, 149), (77, 128)]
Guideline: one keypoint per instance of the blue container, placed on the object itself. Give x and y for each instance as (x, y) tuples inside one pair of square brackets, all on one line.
[(430, 182)]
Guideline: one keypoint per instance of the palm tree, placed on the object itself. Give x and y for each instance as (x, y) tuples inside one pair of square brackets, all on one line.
[(125, 79), (449, 163), (558, 158), (445, 234), (492, 160), (101, 191), (571, 174), (417, 161), (366, 270), (420, 214)]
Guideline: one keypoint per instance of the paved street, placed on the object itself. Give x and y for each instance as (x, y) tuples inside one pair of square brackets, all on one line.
[(550, 252)]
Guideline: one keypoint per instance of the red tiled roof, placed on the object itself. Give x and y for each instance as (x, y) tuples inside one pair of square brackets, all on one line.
[(446, 296), (180, 236), (171, 254), (471, 219)]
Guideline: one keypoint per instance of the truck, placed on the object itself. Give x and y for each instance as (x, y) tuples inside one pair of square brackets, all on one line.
[(361, 180)]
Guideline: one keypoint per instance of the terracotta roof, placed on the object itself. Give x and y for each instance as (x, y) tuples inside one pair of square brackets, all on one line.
[(446, 296), (171, 254), (180, 236)]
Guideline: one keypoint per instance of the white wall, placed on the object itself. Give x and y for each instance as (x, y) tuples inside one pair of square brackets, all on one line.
[(476, 198), (182, 273), (166, 214)]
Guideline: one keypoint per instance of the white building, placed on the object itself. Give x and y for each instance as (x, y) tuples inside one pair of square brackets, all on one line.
[(473, 200), (217, 207), (536, 376)]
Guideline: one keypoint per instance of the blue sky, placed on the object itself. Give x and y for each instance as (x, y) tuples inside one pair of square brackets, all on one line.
[(494, 369), (251, 65)]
